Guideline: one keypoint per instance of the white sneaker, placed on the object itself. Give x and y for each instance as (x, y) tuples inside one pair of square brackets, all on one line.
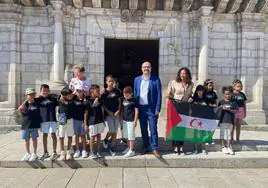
[(204, 151), (105, 144), (68, 155), (125, 151), (230, 151), (26, 157), (195, 151), (93, 156), (99, 155), (62, 156), (76, 154), (224, 150), (33, 157), (84, 154), (130, 153), (112, 151)]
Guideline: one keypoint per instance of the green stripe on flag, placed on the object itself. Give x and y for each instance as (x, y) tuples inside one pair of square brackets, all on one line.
[(190, 135)]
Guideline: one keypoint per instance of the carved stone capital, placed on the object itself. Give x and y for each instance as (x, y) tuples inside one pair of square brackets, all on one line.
[(78, 3), (206, 2), (133, 4), (205, 10), (40, 3), (249, 5), (96, 3), (221, 6), (151, 4), (26, 2), (262, 6), (57, 11), (234, 6), (132, 16), (206, 21), (115, 3), (186, 5), (168, 4)]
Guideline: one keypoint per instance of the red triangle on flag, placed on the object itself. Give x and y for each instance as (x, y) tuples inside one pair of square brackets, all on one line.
[(173, 117)]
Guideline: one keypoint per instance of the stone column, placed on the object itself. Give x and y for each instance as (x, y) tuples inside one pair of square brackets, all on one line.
[(205, 12), (58, 50)]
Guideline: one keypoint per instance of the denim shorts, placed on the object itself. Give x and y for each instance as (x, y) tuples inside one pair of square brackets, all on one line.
[(49, 127), (29, 133), (78, 128)]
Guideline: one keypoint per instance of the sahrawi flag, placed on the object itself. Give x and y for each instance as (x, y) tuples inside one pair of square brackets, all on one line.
[(190, 122)]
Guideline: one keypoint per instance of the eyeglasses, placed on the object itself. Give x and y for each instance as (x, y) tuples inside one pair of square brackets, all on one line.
[(148, 67)]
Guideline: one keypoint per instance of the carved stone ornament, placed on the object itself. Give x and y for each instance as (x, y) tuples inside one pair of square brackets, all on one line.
[(235, 6), (26, 2), (187, 4), (78, 3), (206, 21), (57, 10), (40, 3), (132, 16), (133, 4), (115, 3), (264, 7), (168, 4), (250, 6), (222, 4)]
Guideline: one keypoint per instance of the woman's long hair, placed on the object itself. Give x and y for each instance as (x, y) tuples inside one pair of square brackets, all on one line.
[(198, 88), (188, 75)]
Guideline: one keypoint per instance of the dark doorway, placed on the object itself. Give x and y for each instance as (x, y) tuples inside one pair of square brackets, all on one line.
[(123, 58)]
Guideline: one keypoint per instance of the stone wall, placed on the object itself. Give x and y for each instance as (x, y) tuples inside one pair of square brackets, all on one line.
[(237, 46), (36, 47)]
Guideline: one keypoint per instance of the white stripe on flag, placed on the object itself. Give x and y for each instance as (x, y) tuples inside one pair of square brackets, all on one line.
[(198, 123)]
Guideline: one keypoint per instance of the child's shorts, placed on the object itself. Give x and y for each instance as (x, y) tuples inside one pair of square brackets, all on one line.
[(66, 130), (49, 127), (96, 129), (113, 123), (240, 113), (29, 133), (78, 128), (226, 131), (129, 130)]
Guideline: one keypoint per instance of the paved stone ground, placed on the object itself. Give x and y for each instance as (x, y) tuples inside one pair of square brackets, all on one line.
[(134, 177)]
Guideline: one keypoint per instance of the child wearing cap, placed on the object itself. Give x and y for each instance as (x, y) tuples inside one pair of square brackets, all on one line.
[(94, 120), (78, 109), (65, 128), (31, 119)]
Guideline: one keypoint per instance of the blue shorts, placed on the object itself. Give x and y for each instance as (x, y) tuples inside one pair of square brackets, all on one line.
[(78, 127), (29, 133)]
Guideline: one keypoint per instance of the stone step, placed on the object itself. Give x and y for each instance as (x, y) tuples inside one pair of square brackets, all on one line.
[(212, 160)]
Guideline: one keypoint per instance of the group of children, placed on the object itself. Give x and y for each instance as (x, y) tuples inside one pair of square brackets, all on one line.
[(231, 110), (79, 115)]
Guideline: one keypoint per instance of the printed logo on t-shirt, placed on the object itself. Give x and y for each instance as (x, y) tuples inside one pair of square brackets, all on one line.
[(128, 103), (46, 102), (32, 108), (112, 95), (77, 103)]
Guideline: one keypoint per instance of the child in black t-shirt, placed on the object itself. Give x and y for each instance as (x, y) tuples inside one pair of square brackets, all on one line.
[(94, 120), (227, 118), (78, 109), (48, 106), (65, 127), (210, 94), (240, 99), (130, 117), (30, 111), (198, 98), (111, 98)]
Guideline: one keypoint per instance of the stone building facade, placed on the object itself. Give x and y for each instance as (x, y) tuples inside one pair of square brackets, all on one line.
[(41, 40)]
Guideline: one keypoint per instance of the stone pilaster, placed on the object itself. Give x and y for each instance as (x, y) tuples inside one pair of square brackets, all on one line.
[(205, 21), (58, 50), (251, 64)]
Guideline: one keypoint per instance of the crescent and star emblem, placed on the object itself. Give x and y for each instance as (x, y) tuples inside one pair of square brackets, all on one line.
[(195, 123)]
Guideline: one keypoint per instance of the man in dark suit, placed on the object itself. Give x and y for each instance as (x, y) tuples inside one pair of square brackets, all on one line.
[(148, 94)]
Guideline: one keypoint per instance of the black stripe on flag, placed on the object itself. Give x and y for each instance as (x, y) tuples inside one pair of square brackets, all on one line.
[(195, 110), (205, 112), (182, 107)]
